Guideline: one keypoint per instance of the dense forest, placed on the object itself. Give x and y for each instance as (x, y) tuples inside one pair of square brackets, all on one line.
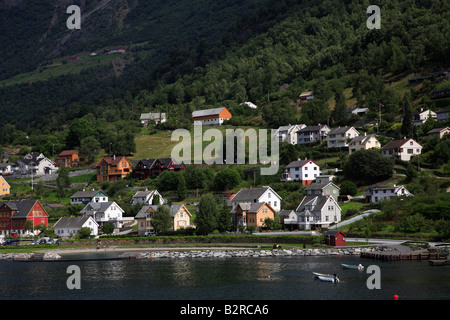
[(267, 54)]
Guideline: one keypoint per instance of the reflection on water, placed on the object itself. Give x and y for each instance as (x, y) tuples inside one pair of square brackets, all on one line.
[(274, 278)]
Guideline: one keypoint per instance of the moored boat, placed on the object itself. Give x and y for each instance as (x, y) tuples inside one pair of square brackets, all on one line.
[(317, 275), (329, 279), (351, 266)]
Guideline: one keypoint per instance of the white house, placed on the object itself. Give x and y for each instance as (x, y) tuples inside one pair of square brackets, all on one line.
[(365, 142), (289, 133), (378, 193), (5, 169), (315, 212), (146, 197), (312, 134), (68, 227), (211, 117), (157, 117), (305, 171), (403, 149), (340, 137), (34, 163), (84, 197), (103, 212), (306, 95), (254, 195), (421, 116)]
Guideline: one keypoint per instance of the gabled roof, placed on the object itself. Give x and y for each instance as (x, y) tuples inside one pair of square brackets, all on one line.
[(313, 128), (153, 116), (99, 206), (363, 139), (300, 163), (112, 161), (71, 222), (341, 130), (315, 202), (144, 194), (252, 195), (397, 144), (438, 130), (145, 210), (88, 194), (320, 186), (207, 112), (68, 153), (22, 208)]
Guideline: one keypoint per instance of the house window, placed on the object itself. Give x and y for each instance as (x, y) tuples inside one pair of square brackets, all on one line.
[(275, 203)]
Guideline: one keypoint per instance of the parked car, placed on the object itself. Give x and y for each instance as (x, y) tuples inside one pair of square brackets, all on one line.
[(42, 241), (11, 242), (149, 233)]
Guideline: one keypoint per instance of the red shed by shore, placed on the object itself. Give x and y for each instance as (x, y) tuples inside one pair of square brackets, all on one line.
[(335, 238)]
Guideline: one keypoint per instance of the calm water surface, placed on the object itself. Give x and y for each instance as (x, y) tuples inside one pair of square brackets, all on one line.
[(268, 278)]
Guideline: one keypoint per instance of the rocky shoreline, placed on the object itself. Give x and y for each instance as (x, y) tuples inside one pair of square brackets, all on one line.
[(245, 253), (197, 253), (30, 256)]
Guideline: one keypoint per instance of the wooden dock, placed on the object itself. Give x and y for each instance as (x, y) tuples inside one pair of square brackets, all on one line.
[(404, 257)]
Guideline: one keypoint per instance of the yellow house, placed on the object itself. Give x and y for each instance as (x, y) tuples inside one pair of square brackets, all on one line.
[(180, 218), (252, 214), (363, 142), (5, 188)]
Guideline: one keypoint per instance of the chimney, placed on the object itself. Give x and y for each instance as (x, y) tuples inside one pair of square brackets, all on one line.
[(114, 157)]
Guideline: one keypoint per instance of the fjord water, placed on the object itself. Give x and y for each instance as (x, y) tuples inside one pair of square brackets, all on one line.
[(268, 278)]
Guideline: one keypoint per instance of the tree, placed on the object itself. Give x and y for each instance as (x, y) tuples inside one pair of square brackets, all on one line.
[(406, 129), (108, 227), (89, 148), (84, 233), (225, 221), (181, 187), (63, 180), (348, 188), (368, 166), (79, 129), (340, 112), (226, 179), (206, 219), (162, 220)]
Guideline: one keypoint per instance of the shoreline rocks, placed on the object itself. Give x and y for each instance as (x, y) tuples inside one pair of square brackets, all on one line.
[(30, 256), (229, 253)]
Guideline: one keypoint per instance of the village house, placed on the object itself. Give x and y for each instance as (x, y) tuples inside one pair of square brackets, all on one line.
[(179, 213), (148, 168), (315, 212), (305, 171), (439, 132), (155, 117), (442, 115), (325, 178), (340, 137), (67, 227), (364, 142), (6, 169), (251, 214), (69, 159), (379, 193), (323, 189), (289, 133), (421, 116), (254, 195), (112, 168), (403, 149), (5, 188), (306, 96), (14, 216), (335, 238), (312, 134), (34, 163), (147, 198), (84, 197), (103, 212), (358, 111), (211, 117)]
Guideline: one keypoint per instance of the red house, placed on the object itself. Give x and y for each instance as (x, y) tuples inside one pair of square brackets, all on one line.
[(335, 238), (15, 214)]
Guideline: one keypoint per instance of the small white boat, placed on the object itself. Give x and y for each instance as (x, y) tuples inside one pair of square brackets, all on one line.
[(329, 279), (317, 275), (351, 266)]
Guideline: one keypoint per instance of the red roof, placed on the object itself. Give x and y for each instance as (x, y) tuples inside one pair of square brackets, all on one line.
[(112, 161), (67, 153)]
